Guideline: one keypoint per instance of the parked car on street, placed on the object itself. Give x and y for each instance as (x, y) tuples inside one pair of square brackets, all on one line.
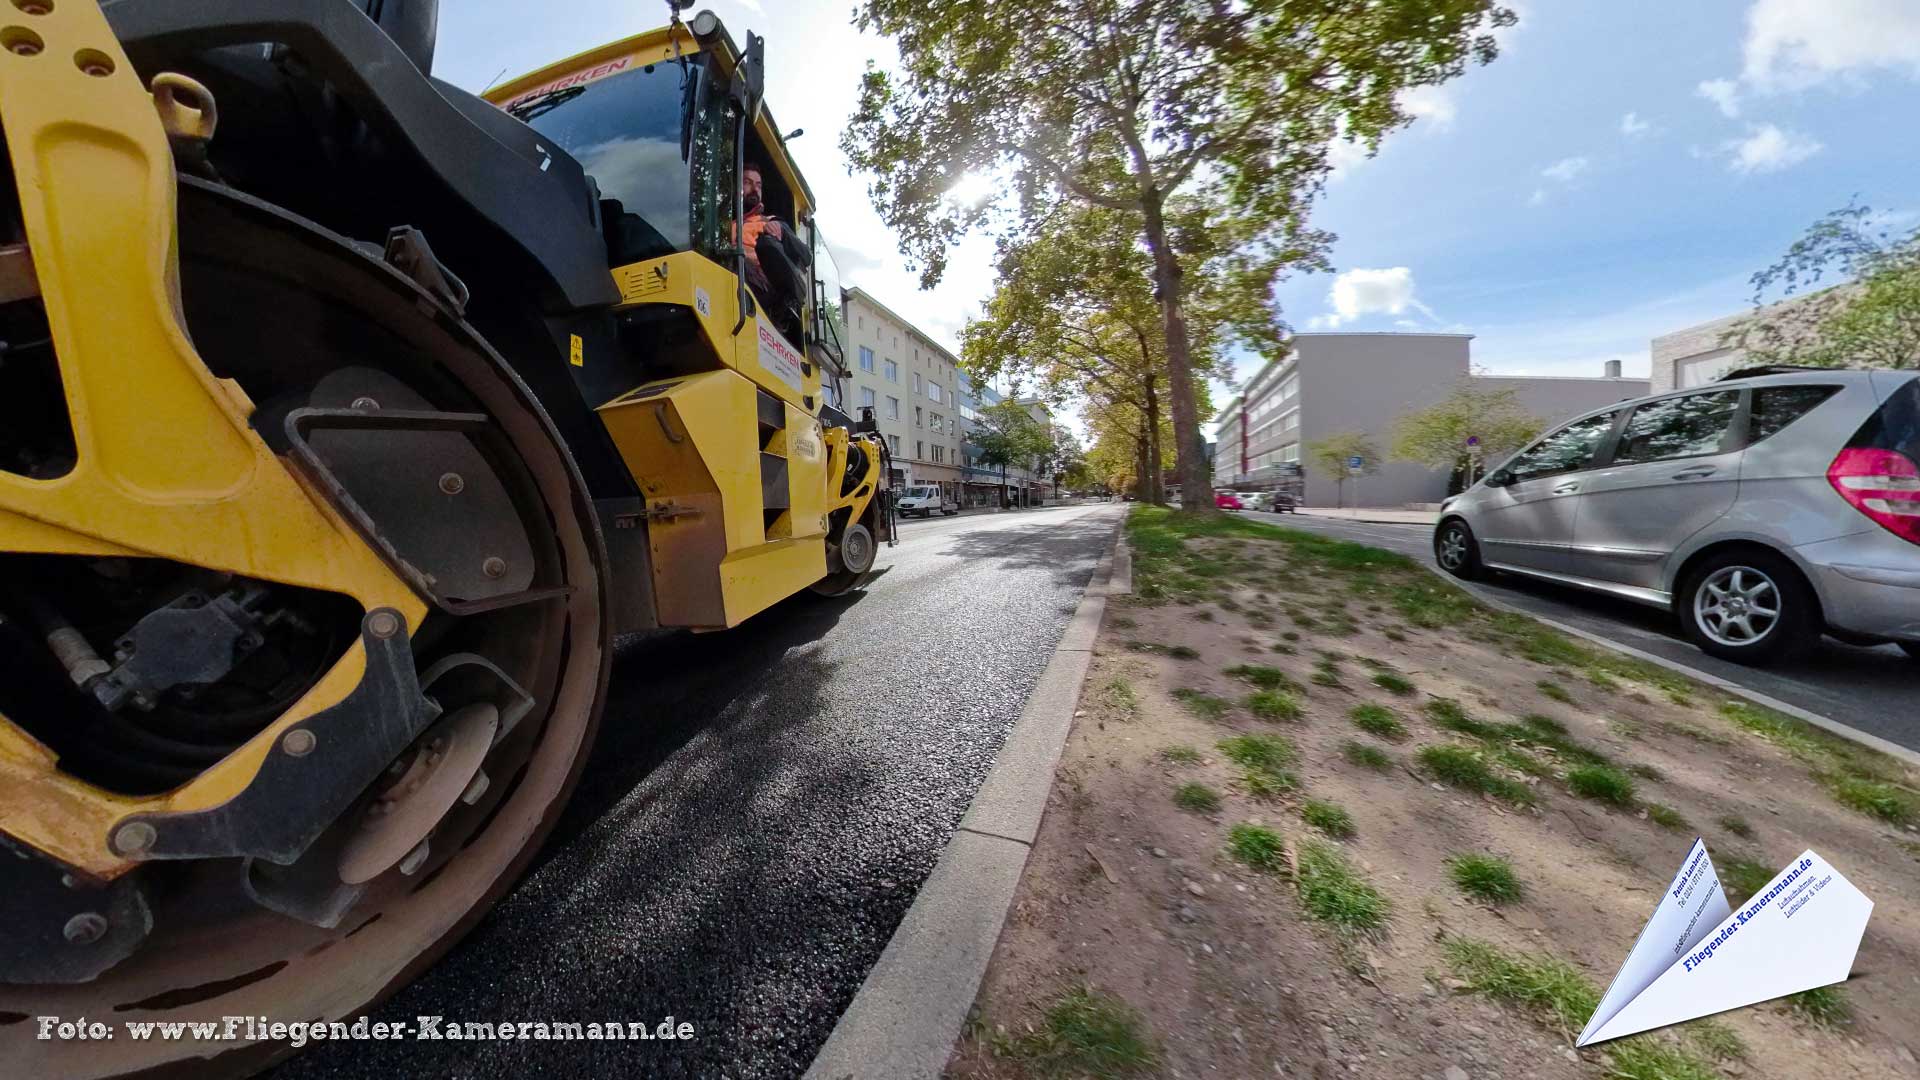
[(926, 500), (1286, 502), (1227, 500), (1763, 510)]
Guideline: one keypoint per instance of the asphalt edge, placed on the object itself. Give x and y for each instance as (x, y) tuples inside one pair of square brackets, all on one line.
[(909, 1011), (1826, 724)]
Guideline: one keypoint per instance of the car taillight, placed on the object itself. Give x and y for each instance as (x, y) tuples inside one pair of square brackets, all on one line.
[(1882, 484)]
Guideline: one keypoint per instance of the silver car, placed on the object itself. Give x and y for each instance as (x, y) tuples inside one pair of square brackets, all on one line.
[(1763, 510)]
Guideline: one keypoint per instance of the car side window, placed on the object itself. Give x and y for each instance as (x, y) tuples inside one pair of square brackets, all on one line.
[(1566, 450), (1679, 427), (1774, 407)]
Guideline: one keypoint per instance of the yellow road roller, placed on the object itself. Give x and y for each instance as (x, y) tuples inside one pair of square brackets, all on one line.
[(345, 418)]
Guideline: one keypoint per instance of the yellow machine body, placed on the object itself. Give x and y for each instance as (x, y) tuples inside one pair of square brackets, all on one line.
[(167, 464)]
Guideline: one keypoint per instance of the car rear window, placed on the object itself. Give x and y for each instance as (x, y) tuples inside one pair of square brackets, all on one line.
[(1774, 407), (1896, 426)]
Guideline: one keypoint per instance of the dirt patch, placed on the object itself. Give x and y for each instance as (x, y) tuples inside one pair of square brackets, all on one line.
[(1225, 969)]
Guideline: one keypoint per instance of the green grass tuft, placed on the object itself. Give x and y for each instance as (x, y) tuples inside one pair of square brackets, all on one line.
[(1486, 877), (1197, 797), (1554, 690), (1269, 783), (1180, 755), (1378, 720), (1257, 846), (1602, 784), (1393, 683), (1084, 1033), (1120, 694), (1544, 985), (1274, 705), (1463, 768), (1823, 1006), (1367, 757), (1202, 704), (1328, 818), (1737, 826), (1262, 676), (1666, 817), (1740, 879), (1333, 893), (1875, 798), (1272, 752), (1714, 1039)]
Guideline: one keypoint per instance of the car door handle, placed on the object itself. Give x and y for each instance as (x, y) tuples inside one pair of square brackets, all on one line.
[(1695, 473), (1567, 489)]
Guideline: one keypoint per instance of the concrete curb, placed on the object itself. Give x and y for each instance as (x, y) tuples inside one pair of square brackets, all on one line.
[(909, 1012), (1834, 727)]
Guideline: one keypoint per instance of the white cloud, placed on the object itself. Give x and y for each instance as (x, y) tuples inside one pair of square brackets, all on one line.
[(1724, 93), (1538, 197), (1633, 127), (1386, 291), (1767, 148), (1793, 44), (1433, 104), (1344, 156), (1565, 169)]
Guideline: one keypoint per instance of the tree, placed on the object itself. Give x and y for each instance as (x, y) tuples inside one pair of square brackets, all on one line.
[(1205, 123), (1007, 433), (1073, 307), (1870, 319), (1334, 455), (1437, 435)]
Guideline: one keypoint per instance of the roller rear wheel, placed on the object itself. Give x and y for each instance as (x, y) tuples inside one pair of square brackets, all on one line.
[(281, 307)]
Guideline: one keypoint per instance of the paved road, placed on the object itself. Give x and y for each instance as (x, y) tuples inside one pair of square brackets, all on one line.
[(760, 811), (1873, 690)]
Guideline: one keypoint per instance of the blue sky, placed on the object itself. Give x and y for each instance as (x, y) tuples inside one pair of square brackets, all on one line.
[(1523, 206)]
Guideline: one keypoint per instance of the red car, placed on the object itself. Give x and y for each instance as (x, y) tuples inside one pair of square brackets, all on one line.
[(1227, 500)]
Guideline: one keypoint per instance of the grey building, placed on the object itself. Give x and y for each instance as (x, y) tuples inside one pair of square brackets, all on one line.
[(1699, 354), (1339, 382), (911, 383), (983, 483)]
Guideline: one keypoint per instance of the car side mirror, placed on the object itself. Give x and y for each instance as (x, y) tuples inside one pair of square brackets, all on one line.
[(1499, 478)]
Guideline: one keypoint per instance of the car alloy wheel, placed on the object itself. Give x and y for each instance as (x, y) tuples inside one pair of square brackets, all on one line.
[(1453, 548), (1737, 606)]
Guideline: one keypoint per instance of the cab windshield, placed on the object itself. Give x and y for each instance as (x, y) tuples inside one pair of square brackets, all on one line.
[(922, 492), (626, 130)]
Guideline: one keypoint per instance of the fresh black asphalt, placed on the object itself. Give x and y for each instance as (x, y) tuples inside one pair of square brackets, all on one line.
[(1868, 689), (759, 812)]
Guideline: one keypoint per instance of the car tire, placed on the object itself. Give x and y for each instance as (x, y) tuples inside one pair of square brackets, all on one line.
[(1456, 550), (1748, 606)]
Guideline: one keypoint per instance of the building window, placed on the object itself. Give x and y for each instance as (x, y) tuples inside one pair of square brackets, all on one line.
[(918, 386), (939, 454), (1290, 453), (893, 408), (893, 444), (937, 422), (866, 396), (893, 371), (919, 418), (919, 449), (866, 358), (935, 392)]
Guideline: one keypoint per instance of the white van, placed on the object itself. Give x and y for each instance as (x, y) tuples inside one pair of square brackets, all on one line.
[(926, 500)]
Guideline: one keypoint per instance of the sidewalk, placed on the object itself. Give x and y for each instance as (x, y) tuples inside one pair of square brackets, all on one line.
[(1382, 516)]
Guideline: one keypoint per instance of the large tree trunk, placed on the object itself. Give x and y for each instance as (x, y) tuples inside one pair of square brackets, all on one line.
[(1196, 487), (1142, 486), (1156, 482)]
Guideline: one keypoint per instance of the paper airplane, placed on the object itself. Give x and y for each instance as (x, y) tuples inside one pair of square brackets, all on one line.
[(1698, 956)]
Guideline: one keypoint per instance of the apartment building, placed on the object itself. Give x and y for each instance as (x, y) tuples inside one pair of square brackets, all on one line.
[(984, 485), (1338, 382), (911, 384)]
